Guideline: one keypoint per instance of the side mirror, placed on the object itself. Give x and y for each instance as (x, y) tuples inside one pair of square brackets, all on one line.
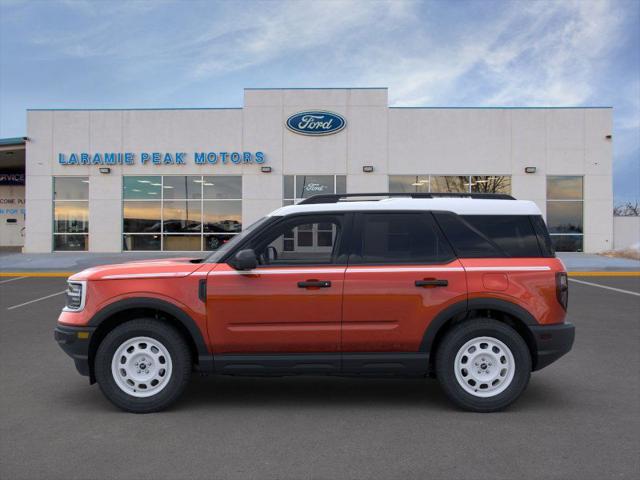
[(245, 260)]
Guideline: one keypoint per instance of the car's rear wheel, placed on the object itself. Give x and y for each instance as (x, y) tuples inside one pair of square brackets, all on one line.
[(483, 365), (143, 365)]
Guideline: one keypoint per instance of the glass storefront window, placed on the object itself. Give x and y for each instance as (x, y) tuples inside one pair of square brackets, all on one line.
[(70, 188), (188, 187), (565, 212), (223, 216), (184, 216), (140, 242), (142, 188), (409, 183), (141, 217), (564, 217), (491, 184), (71, 217), (298, 187), (70, 213), (174, 212), (62, 243), (222, 187), (183, 243), (564, 188), (450, 183)]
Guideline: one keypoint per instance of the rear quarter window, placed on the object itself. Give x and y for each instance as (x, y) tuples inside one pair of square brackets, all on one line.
[(490, 236), (514, 234)]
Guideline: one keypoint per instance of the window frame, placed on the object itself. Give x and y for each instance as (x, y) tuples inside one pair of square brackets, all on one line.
[(420, 178), (565, 200), (292, 201), (525, 218), (343, 239), (55, 200), (204, 235), (355, 246), (338, 256)]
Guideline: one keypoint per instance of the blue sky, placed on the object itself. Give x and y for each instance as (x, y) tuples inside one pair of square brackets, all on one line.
[(82, 54)]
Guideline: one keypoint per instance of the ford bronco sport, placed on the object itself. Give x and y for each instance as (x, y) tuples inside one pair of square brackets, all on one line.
[(463, 288)]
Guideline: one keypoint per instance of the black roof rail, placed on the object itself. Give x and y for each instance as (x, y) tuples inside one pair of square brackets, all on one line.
[(337, 197)]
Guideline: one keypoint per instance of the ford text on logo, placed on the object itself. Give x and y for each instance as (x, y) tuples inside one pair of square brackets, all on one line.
[(316, 122)]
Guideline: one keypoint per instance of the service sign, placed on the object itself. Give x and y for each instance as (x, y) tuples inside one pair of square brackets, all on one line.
[(316, 122)]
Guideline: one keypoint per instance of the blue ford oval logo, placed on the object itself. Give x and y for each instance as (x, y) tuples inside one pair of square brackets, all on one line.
[(316, 122)]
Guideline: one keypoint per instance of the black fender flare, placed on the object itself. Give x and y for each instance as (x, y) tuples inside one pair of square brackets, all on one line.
[(464, 307), (156, 304)]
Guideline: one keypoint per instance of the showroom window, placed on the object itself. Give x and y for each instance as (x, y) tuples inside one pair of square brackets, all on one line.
[(565, 212), (450, 183), (298, 187), (70, 213), (180, 213)]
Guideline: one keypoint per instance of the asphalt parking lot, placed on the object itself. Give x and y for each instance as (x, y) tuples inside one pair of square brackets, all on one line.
[(579, 418)]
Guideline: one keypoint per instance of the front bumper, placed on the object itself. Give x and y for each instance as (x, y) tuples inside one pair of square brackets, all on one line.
[(552, 342), (75, 343)]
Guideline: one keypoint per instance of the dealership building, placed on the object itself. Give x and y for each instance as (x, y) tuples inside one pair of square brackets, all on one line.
[(112, 180)]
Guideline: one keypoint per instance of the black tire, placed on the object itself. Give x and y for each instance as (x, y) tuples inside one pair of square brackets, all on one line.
[(456, 338), (178, 351)]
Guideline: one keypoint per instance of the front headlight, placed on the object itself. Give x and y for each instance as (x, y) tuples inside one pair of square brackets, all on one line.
[(76, 294)]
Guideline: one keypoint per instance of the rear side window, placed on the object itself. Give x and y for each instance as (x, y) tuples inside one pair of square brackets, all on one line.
[(544, 239), (400, 238), (514, 234), (468, 241)]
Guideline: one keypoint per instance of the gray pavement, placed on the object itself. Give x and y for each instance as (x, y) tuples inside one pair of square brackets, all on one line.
[(76, 261), (579, 418)]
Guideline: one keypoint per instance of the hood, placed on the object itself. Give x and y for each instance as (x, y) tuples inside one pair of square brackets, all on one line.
[(162, 268)]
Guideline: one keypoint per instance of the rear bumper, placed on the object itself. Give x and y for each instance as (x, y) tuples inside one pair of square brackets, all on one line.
[(75, 343), (552, 342)]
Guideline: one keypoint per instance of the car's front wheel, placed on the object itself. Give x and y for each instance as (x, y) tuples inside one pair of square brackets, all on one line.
[(143, 365), (483, 365)]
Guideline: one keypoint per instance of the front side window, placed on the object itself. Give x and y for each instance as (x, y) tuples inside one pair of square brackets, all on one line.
[(181, 212), (400, 238), (303, 240), (70, 213), (565, 212)]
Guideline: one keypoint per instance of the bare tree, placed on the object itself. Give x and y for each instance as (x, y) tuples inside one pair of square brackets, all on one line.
[(628, 209)]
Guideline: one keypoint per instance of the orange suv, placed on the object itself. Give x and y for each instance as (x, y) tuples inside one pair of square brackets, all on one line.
[(464, 288)]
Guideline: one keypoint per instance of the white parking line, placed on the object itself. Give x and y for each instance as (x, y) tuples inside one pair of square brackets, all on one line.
[(36, 300), (12, 279), (629, 292)]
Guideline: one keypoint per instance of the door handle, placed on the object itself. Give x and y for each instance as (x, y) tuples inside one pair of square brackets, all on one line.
[(314, 284), (432, 282)]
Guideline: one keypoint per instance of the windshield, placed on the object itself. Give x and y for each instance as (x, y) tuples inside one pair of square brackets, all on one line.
[(217, 255)]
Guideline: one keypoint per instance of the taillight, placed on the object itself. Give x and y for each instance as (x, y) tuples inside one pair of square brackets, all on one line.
[(562, 289)]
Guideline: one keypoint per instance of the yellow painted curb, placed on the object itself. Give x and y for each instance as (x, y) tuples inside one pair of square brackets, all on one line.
[(36, 274), (604, 274)]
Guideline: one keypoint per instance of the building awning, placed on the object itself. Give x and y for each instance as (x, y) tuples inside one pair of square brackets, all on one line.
[(11, 142)]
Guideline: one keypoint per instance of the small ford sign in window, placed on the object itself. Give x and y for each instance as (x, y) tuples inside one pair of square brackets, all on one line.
[(316, 122)]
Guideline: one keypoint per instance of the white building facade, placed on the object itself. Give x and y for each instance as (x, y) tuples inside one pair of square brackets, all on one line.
[(189, 179)]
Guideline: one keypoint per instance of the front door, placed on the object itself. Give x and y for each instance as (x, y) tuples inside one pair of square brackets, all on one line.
[(401, 274), (292, 302)]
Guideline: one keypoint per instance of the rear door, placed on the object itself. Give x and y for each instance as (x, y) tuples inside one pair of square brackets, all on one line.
[(401, 274)]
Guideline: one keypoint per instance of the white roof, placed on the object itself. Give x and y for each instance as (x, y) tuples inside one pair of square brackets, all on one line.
[(461, 206)]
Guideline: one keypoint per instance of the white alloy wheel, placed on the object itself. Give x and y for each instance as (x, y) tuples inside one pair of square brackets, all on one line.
[(141, 367), (484, 367)]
